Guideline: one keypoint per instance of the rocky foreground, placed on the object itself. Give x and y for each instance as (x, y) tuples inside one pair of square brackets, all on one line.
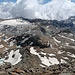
[(37, 47)]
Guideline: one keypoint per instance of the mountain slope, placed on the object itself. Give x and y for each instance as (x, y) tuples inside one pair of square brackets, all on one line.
[(35, 46)]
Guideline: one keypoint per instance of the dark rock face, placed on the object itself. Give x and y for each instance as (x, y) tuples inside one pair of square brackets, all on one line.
[(29, 40), (43, 30)]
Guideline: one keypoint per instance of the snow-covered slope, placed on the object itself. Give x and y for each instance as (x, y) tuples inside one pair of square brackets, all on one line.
[(14, 22)]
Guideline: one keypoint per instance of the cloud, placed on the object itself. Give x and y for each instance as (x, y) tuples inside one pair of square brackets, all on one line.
[(56, 9), (5, 7)]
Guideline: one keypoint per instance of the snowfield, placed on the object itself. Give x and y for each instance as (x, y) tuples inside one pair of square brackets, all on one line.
[(14, 22)]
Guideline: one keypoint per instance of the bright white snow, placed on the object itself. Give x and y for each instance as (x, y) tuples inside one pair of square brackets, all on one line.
[(66, 37), (65, 57), (12, 43), (60, 52), (53, 61), (1, 46), (71, 55), (13, 22), (52, 54), (67, 44), (43, 53), (14, 59), (7, 39), (42, 65), (63, 61), (44, 60), (56, 40), (1, 61), (33, 51)]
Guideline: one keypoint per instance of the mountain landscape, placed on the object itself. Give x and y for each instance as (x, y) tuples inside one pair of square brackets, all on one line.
[(37, 46)]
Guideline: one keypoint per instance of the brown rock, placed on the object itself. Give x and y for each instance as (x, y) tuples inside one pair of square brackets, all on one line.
[(18, 70), (3, 73), (10, 70), (32, 70), (13, 73), (7, 65)]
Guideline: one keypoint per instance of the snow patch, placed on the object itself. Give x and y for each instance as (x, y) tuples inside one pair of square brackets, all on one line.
[(60, 52), (7, 39), (24, 40), (71, 35), (56, 40), (65, 57), (1, 61), (67, 44), (6, 49), (42, 65), (43, 53), (1, 46), (63, 61), (33, 51), (53, 61), (44, 60), (14, 57), (11, 43), (52, 55), (13, 22), (71, 55), (67, 38)]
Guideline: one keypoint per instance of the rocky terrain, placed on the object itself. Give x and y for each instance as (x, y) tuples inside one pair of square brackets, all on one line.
[(37, 47)]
